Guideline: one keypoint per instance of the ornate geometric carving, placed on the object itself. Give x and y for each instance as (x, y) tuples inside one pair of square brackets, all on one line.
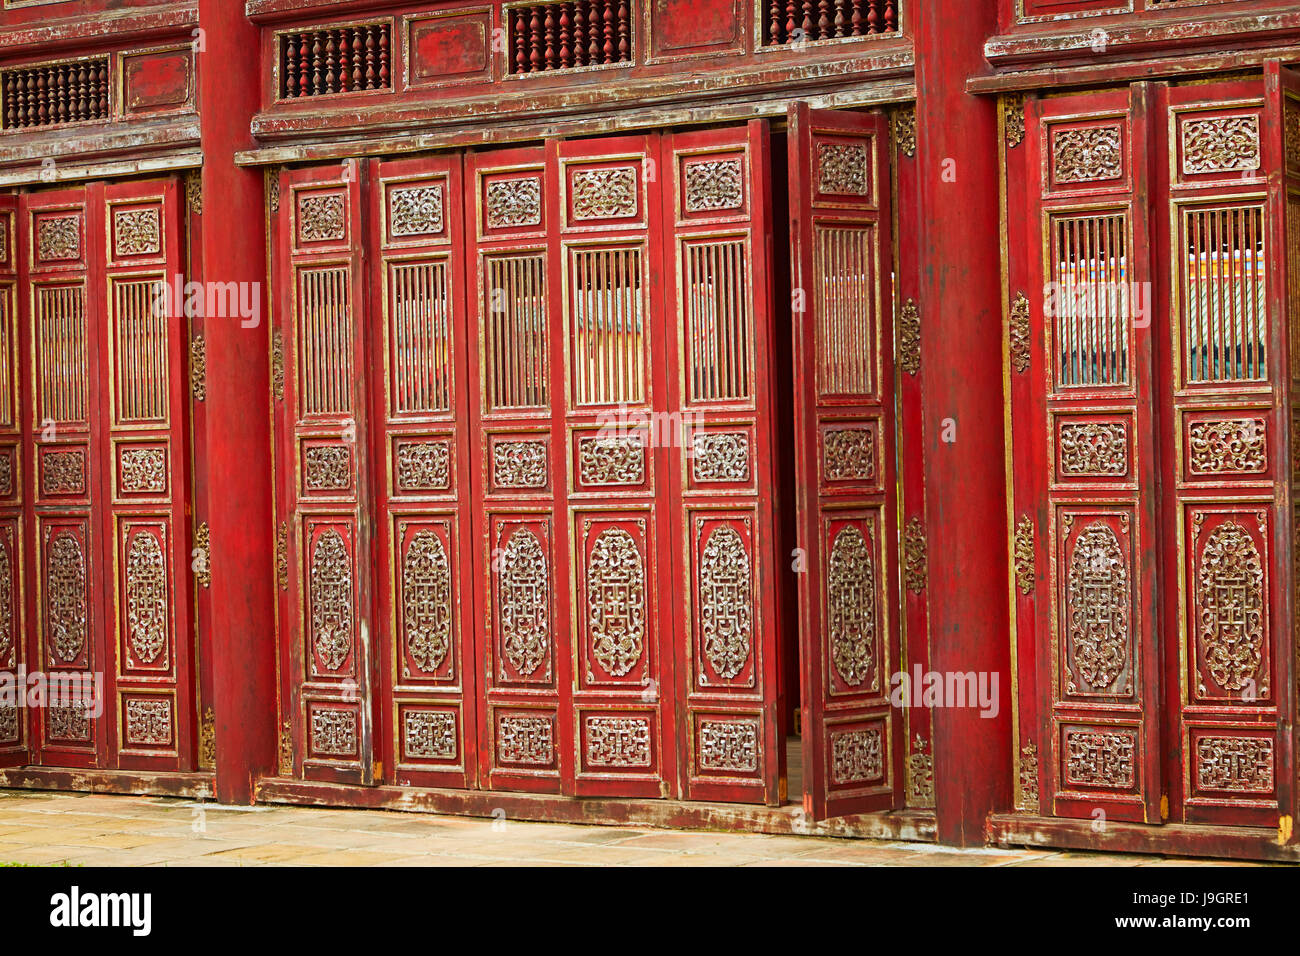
[(1096, 758), (327, 467), (1098, 602), (208, 740), (8, 724), (334, 732), (6, 474), (720, 456), (849, 454), (320, 218), (1013, 118), (909, 337), (1238, 764), (842, 169), (199, 368), (69, 722), (716, 184), (194, 190), (1022, 553), (286, 749), (1094, 448), (65, 596), (525, 740), (512, 203), (1027, 792), (148, 722), (282, 556), (426, 601), (1227, 447), (1291, 133), (63, 472), (851, 603), (618, 741), (277, 364), (914, 556), (905, 130), (857, 756), (519, 464), (416, 210), (331, 600), (524, 598), (726, 602), (1018, 333), (611, 461), (423, 466), (146, 597), (604, 193), (1220, 144), (429, 734), (1088, 154), (616, 601), (6, 605), (144, 470), (729, 745), (271, 182), (203, 568), (58, 238), (1230, 607), (137, 232), (920, 775)]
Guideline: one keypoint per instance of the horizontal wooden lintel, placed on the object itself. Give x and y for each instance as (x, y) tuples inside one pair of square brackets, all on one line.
[(137, 782)]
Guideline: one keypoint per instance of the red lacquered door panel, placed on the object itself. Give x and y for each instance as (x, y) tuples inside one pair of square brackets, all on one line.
[(14, 736)]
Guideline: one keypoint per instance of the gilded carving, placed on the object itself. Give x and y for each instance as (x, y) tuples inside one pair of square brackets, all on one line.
[(327, 467), (331, 601), (604, 193), (1227, 447), (199, 368), (905, 130), (726, 602), (63, 472), (519, 464), (849, 454), (423, 466), (320, 218), (1022, 553), (271, 181), (277, 364), (728, 745), (1096, 758), (70, 722), (286, 749), (920, 775), (1013, 118), (148, 722), (512, 203), (857, 756), (429, 734), (146, 597), (524, 596), (1098, 606), (8, 724), (202, 567), (525, 740), (1087, 154), (334, 732), (914, 556), (416, 210), (194, 190), (65, 596), (137, 232), (842, 169), (618, 742), (426, 601), (1018, 333), (1230, 608), (616, 604), (720, 456), (909, 337), (1291, 133), (714, 184), (282, 556), (58, 238), (1220, 144), (1236, 764), (851, 605), (1027, 792), (611, 461), (6, 474), (1094, 448), (144, 470), (6, 606), (208, 740)]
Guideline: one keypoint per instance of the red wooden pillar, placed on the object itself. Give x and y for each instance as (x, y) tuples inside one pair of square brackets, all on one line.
[(237, 421), (961, 340)]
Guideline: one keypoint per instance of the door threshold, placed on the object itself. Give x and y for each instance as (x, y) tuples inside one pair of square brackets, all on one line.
[(909, 825), (197, 784), (1168, 839)]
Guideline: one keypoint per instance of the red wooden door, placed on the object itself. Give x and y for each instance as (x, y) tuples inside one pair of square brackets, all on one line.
[(844, 459), (14, 735)]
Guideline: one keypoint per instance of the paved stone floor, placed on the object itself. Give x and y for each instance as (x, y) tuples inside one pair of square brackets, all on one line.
[(102, 830)]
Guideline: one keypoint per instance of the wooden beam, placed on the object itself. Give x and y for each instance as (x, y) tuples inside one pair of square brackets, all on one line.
[(137, 782)]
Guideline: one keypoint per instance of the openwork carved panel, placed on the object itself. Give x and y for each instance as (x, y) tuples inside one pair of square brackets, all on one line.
[(144, 470), (327, 467), (7, 643), (728, 745), (1022, 554), (58, 238), (604, 193), (519, 464), (528, 741), (1291, 133), (618, 742), (63, 472), (1220, 144), (426, 601), (1236, 764), (1027, 791), (720, 456), (611, 461), (523, 603), (146, 597), (9, 724), (920, 775), (1230, 609), (1088, 154), (726, 602), (857, 756), (513, 203), (851, 608), (321, 218), (429, 734), (616, 601), (909, 337), (915, 569), (1227, 447), (6, 474), (1094, 449), (1018, 333), (713, 185), (1096, 758), (842, 169), (416, 210), (137, 232), (1098, 607), (423, 466), (68, 722), (334, 732), (65, 597), (149, 722), (849, 454), (331, 590)]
